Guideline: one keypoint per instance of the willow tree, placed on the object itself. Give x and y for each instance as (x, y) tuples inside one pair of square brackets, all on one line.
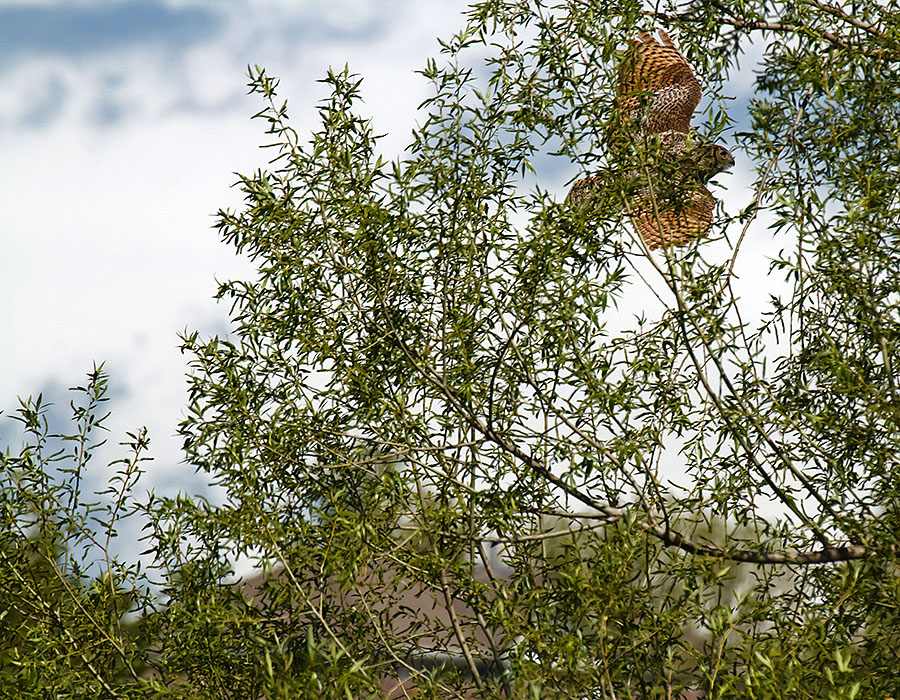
[(478, 441)]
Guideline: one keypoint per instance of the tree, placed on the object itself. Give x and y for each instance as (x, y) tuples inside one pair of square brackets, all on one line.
[(64, 599), (437, 391)]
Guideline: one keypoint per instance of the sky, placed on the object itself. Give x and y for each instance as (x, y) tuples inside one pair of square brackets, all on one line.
[(122, 125)]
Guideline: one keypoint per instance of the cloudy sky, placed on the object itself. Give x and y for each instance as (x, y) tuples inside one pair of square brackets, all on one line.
[(121, 127)]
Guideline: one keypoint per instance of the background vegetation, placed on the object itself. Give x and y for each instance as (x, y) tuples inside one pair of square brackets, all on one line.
[(458, 455)]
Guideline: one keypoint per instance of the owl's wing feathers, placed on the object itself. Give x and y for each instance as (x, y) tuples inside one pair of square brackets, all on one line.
[(683, 206), (674, 225), (658, 93), (584, 191), (655, 78), (669, 223)]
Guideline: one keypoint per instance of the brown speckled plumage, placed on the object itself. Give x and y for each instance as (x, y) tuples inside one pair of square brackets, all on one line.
[(584, 190), (657, 88), (658, 93), (674, 224)]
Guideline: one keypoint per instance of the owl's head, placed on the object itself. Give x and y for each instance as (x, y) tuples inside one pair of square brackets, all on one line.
[(713, 159)]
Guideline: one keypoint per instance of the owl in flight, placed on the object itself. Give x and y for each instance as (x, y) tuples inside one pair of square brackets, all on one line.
[(657, 94)]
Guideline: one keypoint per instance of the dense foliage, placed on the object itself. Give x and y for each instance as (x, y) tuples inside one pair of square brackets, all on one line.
[(490, 445)]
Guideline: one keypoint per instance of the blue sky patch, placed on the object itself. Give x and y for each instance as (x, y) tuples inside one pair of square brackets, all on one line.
[(73, 30)]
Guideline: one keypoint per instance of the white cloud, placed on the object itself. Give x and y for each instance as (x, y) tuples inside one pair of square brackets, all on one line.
[(115, 162)]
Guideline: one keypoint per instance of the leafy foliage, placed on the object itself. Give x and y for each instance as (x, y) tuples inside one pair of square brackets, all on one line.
[(64, 602), (463, 463)]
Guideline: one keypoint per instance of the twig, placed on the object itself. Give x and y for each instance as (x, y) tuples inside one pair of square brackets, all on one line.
[(850, 19), (765, 25)]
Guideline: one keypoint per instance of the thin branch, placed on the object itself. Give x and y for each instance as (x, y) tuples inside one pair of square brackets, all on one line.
[(457, 630), (849, 19), (549, 535), (760, 190), (765, 25), (666, 535), (53, 611)]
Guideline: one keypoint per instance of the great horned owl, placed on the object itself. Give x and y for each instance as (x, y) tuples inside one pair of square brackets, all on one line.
[(657, 94)]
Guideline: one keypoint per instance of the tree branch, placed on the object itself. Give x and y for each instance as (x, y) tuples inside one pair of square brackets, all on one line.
[(777, 26), (665, 534), (849, 19)]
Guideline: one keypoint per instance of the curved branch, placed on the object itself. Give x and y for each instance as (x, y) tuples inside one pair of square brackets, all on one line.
[(668, 536), (783, 27), (848, 18)]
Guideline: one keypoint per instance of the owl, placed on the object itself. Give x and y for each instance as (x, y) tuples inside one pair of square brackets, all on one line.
[(657, 95)]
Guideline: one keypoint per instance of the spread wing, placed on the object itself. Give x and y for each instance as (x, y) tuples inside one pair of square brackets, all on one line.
[(655, 81), (677, 218), (658, 93), (674, 224), (585, 191)]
